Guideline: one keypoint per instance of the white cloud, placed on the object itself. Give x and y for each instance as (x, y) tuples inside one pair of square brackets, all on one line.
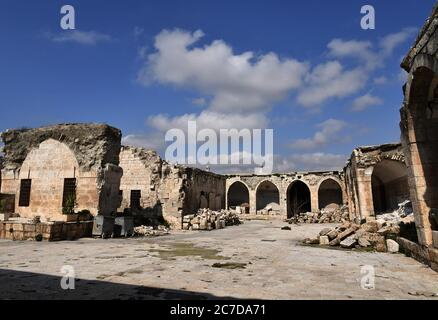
[(330, 80), (237, 82), (209, 119), (363, 102), (329, 132), (81, 37), (154, 141), (318, 161)]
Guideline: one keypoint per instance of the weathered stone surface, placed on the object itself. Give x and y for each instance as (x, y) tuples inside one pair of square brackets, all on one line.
[(392, 246), (332, 234), (363, 242), (325, 231), (370, 226), (389, 230), (348, 243), (324, 240), (335, 242), (346, 233), (94, 145)]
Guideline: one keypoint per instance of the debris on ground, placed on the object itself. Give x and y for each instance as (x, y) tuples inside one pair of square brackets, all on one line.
[(330, 214), (379, 234), (207, 219), (149, 231)]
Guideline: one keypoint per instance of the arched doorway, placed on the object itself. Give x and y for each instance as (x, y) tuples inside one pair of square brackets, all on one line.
[(267, 197), (389, 183), (298, 198), (238, 196), (329, 194)]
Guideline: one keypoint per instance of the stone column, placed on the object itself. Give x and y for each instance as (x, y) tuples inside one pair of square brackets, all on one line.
[(252, 201), (314, 203), (365, 193)]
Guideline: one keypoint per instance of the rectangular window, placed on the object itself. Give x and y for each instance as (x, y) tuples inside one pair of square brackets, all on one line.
[(69, 192), (135, 199), (25, 186)]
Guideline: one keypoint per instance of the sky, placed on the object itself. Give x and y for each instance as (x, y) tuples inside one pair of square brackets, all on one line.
[(306, 69)]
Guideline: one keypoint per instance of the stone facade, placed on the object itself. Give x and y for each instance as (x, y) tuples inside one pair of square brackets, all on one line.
[(419, 129), (85, 155), (281, 190), (158, 187), (376, 180)]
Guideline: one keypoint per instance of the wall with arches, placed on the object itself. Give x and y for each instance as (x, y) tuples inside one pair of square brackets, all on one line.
[(278, 189)]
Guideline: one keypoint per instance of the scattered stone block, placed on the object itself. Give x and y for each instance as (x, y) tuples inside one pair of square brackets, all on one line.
[(325, 231), (324, 240), (392, 246), (348, 243)]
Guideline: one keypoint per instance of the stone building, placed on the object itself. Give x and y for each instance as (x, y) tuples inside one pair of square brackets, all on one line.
[(71, 166), (150, 185), (286, 194), (376, 180), (419, 132)]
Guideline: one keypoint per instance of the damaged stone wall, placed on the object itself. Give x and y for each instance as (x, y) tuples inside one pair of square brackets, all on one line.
[(284, 183), (167, 189), (419, 134), (375, 175), (88, 153)]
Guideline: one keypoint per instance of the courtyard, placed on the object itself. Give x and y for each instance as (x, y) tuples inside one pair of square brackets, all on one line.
[(255, 260)]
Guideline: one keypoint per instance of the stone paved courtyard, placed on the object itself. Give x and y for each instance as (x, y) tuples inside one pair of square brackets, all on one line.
[(253, 260)]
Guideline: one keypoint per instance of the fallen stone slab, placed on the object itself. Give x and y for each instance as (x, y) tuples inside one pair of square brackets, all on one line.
[(348, 243), (392, 246)]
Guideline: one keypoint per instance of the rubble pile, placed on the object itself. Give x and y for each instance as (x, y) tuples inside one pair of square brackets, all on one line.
[(206, 219), (326, 215), (379, 234), (149, 231)]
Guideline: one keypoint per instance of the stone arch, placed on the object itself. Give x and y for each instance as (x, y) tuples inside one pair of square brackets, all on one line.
[(329, 193), (419, 126), (298, 198), (238, 195), (267, 194), (389, 183), (47, 166)]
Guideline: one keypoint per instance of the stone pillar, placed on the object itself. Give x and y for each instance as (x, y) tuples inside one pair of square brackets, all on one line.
[(283, 202), (314, 203), (365, 193), (418, 188), (252, 202)]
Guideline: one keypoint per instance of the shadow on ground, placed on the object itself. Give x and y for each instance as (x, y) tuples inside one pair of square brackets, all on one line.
[(35, 286)]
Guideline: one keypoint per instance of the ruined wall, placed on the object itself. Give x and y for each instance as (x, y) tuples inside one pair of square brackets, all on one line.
[(205, 190), (360, 172), (49, 155), (142, 172), (419, 127), (283, 183), (167, 189)]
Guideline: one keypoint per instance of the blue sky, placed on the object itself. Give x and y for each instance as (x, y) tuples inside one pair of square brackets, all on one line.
[(325, 85)]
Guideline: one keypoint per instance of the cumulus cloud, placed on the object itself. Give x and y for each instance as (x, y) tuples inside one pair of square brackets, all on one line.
[(311, 162), (330, 80), (81, 37), (154, 141), (209, 119), (236, 82), (329, 132), (363, 102)]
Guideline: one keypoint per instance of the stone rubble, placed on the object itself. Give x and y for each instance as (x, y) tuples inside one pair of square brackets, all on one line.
[(149, 231), (378, 234), (326, 215), (206, 219)]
